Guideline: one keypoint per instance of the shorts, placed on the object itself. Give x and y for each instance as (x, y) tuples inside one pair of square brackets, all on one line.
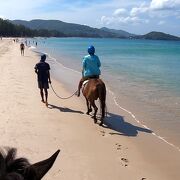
[(90, 77), (43, 85)]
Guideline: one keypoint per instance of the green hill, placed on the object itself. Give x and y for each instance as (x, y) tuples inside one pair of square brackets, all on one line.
[(159, 36), (119, 33), (8, 29), (69, 29), (56, 28)]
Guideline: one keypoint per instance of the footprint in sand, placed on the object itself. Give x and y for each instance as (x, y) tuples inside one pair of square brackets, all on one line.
[(102, 133), (143, 178), (118, 146), (124, 162)]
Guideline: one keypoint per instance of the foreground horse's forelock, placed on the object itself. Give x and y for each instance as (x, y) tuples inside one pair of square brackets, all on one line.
[(12, 168)]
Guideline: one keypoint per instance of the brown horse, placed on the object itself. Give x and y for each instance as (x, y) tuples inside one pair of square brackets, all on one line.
[(12, 168), (92, 90)]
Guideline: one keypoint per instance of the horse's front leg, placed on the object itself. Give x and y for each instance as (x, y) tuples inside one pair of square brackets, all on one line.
[(95, 111), (89, 109)]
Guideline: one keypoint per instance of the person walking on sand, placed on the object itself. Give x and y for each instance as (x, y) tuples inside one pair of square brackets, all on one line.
[(43, 76), (91, 67), (22, 47)]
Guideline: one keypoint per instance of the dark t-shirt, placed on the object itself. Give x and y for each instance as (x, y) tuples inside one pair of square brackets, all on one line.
[(42, 71), (22, 46)]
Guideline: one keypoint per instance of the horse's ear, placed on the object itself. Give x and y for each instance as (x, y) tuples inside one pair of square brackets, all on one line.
[(43, 167)]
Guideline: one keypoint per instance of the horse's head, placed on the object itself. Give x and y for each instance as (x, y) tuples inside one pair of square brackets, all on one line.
[(12, 168)]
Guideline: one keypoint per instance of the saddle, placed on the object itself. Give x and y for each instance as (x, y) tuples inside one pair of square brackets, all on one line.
[(86, 81), (84, 84)]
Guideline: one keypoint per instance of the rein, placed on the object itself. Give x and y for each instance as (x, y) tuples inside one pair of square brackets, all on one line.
[(60, 96)]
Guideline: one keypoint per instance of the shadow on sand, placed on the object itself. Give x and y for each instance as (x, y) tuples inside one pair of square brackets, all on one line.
[(118, 124), (62, 109)]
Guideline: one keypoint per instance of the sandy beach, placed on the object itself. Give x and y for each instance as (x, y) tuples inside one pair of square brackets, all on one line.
[(123, 150)]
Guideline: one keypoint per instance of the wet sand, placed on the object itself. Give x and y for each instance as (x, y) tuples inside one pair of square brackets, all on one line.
[(121, 150)]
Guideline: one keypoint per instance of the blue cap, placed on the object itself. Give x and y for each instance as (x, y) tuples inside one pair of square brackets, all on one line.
[(91, 50)]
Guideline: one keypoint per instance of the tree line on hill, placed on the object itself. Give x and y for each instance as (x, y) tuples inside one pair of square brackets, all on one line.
[(56, 28), (7, 29), (78, 30)]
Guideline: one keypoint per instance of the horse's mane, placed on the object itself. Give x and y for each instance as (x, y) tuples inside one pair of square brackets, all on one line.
[(12, 168)]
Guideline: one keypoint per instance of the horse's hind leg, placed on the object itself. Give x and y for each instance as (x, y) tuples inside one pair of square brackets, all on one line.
[(95, 111), (89, 109)]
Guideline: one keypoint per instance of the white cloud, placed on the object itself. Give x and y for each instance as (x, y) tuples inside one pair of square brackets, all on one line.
[(123, 20), (2, 17), (155, 11), (124, 16), (119, 12), (164, 4), (133, 20), (157, 8), (107, 20), (139, 10)]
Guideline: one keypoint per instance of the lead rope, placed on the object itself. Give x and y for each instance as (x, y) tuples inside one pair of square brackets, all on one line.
[(60, 96)]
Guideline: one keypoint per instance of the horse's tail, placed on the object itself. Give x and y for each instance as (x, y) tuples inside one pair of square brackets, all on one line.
[(102, 97)]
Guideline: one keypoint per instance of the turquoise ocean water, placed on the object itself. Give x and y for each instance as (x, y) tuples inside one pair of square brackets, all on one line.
[(144, 76)]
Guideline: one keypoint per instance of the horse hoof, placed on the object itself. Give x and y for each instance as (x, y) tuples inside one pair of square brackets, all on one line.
[(46, 104), (101, 123)]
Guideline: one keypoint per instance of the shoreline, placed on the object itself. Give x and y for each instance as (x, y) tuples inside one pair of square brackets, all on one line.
[(124, 150), (137, 115), (126, 111)]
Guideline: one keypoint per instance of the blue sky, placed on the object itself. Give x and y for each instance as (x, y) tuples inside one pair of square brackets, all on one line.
[(135, 16)]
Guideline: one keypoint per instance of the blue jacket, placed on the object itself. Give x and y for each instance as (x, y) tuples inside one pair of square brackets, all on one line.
[(91, 65)]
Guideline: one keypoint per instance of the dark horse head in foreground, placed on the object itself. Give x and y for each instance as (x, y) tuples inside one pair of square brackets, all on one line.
[(12, 168), (94, 89)]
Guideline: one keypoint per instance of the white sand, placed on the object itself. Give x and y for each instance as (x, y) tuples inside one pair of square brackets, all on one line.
[(88, 151)]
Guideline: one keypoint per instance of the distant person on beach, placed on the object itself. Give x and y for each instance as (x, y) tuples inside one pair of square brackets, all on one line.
[(91, 67), (43, 76), (36, 43), (22, 47)]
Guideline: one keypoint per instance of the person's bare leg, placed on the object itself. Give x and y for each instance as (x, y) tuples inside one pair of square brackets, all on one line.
[(46, 95), (42, 95), (79, 87)]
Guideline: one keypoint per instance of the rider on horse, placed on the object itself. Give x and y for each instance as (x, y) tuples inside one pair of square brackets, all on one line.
[(91, 67)]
